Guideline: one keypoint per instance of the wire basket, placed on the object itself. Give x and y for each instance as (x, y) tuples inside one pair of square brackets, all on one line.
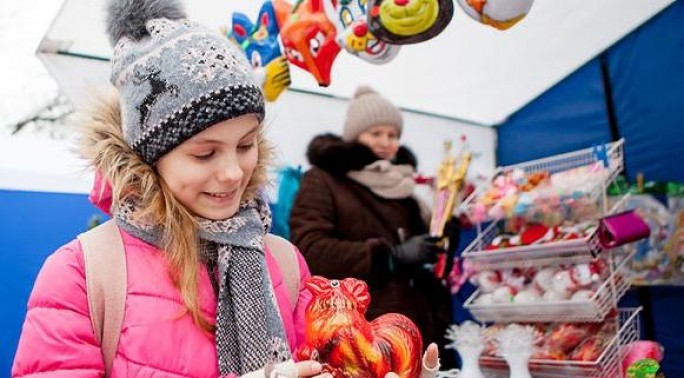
[(608, 365), (593, 309), (569, 251), (555, 164), (576, 251)]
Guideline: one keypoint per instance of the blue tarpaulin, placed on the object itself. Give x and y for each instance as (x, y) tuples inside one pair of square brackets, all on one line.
[(644, 84)]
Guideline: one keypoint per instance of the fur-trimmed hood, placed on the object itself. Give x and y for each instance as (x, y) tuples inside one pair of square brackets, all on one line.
[(333, 155), (103, 147)]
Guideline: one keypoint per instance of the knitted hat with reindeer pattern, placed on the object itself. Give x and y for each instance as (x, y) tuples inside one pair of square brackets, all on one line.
[(175, 77)]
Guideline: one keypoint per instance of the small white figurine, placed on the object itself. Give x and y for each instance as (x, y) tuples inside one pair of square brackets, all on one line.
[(516, 344), (469, 341)]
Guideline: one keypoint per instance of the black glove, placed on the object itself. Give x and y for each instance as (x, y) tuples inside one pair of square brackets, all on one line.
[(420, 248)]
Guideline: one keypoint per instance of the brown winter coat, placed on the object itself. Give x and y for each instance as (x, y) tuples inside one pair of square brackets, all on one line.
[(344, 230)]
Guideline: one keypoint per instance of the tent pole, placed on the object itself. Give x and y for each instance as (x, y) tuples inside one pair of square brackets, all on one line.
[(608, 95), (643, 292)]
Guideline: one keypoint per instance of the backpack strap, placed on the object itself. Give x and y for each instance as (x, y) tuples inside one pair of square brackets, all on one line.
[(286, 257), (106, 280)]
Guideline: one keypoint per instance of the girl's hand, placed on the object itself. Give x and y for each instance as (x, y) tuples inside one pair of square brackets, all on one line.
[(311, 369), (430, 363)]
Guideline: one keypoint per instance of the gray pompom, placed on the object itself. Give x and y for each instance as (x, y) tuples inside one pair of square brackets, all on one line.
[(128, 17)]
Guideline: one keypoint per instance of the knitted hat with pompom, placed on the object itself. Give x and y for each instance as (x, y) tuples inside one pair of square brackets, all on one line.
[(175, 77), (367, 109)]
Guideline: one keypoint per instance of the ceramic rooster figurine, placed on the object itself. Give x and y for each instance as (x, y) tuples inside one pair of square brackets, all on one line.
[(338, 334)]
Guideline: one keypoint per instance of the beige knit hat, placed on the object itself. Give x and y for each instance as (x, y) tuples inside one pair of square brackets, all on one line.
[(367, 109)]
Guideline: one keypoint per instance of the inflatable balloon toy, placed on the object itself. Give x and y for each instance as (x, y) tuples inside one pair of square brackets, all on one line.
[(500, 14), (260, 43), (349, 18), (309, 39), (338, 335), (402, 22)]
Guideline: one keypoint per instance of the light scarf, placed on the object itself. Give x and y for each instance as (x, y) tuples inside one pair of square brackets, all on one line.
[(386, 179), (249, 328)]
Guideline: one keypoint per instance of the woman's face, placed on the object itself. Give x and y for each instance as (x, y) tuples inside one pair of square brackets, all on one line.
[(383, 140), (209, 172)]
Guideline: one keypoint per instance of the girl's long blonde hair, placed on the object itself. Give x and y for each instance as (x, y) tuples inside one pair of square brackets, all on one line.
[(103, 146)]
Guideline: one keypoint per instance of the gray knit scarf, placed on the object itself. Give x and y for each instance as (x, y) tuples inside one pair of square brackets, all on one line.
[(385, 179), (249, 328)]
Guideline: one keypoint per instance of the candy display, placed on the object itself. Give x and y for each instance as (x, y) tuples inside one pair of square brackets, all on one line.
[(534, 234), (540, 263), (577, 282), (542, 197), (338, 334), (562, 341)]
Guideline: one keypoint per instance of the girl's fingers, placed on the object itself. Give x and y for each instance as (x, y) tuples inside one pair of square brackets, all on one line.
[(309, 369), (431, 357)]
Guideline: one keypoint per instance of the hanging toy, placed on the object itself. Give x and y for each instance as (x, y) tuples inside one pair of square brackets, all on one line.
[(260, 43), (402, 22), (339, 336), (309, 39), (349, 18), (500, 14)]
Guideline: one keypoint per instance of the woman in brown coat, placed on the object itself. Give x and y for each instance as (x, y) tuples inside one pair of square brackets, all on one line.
[(355, 216)]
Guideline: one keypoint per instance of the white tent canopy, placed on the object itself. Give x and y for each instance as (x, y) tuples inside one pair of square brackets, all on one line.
[(469, 72), (469, 77)]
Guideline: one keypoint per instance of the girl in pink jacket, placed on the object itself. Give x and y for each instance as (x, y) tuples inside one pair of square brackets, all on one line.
[(182, 145)]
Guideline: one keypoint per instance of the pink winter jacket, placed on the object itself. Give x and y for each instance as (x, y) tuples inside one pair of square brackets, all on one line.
[(157, 340)]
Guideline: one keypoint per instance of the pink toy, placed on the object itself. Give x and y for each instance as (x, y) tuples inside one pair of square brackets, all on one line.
[(616, 230), (638, 350)]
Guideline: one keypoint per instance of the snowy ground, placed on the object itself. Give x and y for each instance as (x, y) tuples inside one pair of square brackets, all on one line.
[(25, 84)]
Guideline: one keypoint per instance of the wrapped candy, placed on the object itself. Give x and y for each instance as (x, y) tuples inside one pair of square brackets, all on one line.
[(487, 280), (566, 336), (503, 294), (589, 350), (582, 295), (543, 279), (527, 296)]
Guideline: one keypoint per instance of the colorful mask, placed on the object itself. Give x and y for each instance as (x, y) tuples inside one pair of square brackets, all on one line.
[(402, 22), (260, 42), (309, 39), (338, 334), (501, 14), (349, 18)]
